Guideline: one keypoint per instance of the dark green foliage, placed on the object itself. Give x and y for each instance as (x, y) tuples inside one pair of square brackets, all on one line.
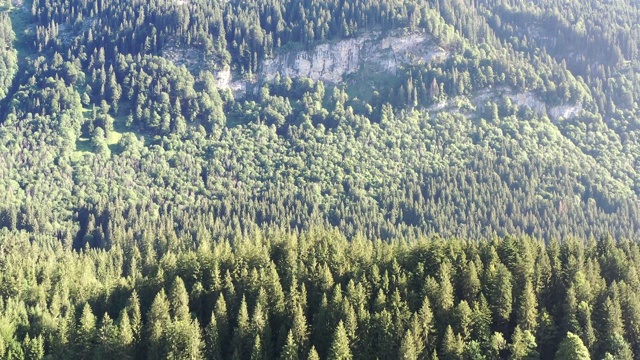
[(124, 96), (148, 211)]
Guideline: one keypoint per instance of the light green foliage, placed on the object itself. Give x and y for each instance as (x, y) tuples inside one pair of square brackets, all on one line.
[(340, 349), (343, 326), (149, 209), (572, 348)]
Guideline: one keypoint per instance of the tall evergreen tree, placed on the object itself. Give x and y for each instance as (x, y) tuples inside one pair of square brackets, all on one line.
[(408, 349), (340, 349), (290, 350), (572, 348), (213, 348), (158, 320), (528, 309), (523, 345), (85, 334)]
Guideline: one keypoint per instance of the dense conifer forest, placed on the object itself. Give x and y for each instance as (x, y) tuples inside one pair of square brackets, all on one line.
[(481, 204)]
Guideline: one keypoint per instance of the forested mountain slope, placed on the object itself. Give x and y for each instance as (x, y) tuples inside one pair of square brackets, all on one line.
[(142, 140), (491, 118)]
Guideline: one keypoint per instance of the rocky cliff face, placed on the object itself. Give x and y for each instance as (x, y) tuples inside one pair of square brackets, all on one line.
[(331, 62), (376, 55), (373, 52)]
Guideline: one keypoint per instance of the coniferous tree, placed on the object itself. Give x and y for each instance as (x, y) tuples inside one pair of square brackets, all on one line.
[(241, 333), (85, 334), (572, 348), (340, 349), (528, 309), (408, 349), (547, 334), (222, 322), (313, 354), (126, 338), (158, 321), (452, 345), (213, 349), (179, 301), (183, 340), (290, 350), (33, 348), (500, 288), (107, 338), (299, 329), (523, 345), (257, 351)]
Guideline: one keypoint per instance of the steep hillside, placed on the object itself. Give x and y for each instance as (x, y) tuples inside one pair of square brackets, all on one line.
[(320, 179), (391, 119)]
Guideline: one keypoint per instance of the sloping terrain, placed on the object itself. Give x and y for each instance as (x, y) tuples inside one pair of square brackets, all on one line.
[(389, 119), (319, 179)]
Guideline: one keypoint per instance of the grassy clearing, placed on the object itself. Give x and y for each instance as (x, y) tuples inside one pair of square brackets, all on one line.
[(22, 23), (83, 144)]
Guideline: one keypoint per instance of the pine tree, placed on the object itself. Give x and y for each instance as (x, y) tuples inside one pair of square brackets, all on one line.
[(408, 349), (528, 309), (501, 293), (463, 318), (107, 339), (618, 347), (586, 331), (416, 331), (481, 320), (473, 351), (547, 334), (300, 330), (290, 350), (425, 320), (157, 321), (85, 334), (322, 327), (241, 343), (445, 297), (340, 349), (222, 322), (133, 306), (126, 338), (470, 282), (570, 311), (452, 345), (572, 348), (33, 348), (184, 340), (179, 301), (523, 345), (256, 351), (612, 319), (313, 354), (497, 345), (212, 340), (259, 321), (64, 333)]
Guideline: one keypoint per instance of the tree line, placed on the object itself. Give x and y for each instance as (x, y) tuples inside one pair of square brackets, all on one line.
[(296, 295)]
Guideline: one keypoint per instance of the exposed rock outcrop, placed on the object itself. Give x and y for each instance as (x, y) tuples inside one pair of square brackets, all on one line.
[(564, 111), (331, 62), (226, 81)]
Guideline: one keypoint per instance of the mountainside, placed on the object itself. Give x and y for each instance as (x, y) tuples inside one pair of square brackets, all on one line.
[(390, 119), (321, 179)]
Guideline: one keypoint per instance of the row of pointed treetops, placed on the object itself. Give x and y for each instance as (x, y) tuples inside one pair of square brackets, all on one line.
[(314, 294)]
